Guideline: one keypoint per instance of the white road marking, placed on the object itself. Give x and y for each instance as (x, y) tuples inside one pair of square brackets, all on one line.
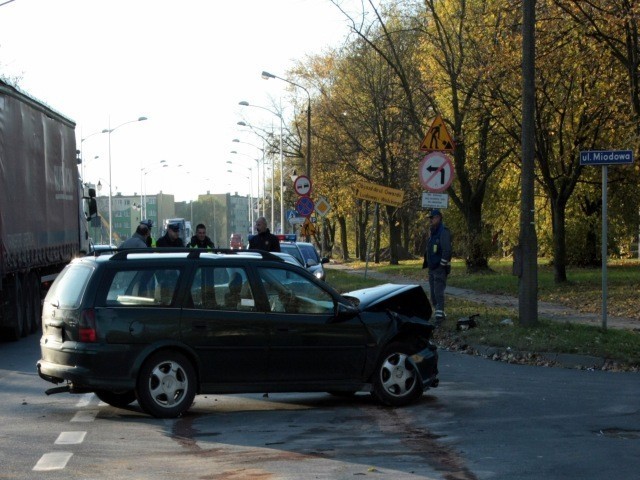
[(85, 400), (70, 438), (85, 416), (52, 461)]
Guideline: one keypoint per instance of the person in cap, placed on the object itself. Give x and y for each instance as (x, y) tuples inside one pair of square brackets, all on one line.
[(437, 258), (200, 239), (264, 240), (171, 238), (140, 238)]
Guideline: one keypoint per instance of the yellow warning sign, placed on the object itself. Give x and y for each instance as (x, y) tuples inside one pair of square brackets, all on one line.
[(437, 138), (307, 228)]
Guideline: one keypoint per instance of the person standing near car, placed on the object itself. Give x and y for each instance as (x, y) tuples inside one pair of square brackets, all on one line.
[(171, 238), (140, 237), (437, 258), (200, 239), (264, 240)]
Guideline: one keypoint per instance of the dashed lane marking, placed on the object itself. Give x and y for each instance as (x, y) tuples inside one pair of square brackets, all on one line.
[(85, 416), (52, 461), (85, 400), (70, 438)]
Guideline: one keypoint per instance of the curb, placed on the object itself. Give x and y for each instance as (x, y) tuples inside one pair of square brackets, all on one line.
[(564, 360)]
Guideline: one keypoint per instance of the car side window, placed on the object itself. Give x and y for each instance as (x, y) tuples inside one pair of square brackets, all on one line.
[(289, 292), (143, 287), (222, 288)]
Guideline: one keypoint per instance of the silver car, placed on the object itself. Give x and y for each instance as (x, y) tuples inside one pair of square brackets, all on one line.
[(307, 255)]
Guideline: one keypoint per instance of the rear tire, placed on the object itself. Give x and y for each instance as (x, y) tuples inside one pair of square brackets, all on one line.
[(396, 381), (166, 384), (117, 399)]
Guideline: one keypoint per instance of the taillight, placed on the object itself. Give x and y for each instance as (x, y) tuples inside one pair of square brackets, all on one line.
[(87, 331)]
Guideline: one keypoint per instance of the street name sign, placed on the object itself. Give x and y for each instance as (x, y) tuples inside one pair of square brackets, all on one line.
[(606, 157), (379, 194)]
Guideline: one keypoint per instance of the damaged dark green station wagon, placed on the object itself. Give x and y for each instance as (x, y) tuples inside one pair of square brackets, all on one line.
[(161, 326)]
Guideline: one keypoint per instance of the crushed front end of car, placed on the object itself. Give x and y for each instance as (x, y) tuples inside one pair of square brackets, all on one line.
[(399, 314)]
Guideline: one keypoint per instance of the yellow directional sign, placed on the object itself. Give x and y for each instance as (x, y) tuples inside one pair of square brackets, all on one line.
[(437, 138), (379, 194)]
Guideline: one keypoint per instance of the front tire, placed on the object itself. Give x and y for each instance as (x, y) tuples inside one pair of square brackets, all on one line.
[(117, 399), (396, 381), (166, 385)]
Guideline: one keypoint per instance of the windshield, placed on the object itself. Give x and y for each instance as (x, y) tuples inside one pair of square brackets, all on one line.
[(293, 251), (309, 253)]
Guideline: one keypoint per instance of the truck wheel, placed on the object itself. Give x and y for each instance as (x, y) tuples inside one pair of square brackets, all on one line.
[(396, 381), (166, 384)]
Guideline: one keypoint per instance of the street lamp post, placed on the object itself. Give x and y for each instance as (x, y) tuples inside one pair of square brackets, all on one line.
[(257, 160), (82, 140), (279, 115), (267, 76), (250, 178), (109, 131), (143, 184)]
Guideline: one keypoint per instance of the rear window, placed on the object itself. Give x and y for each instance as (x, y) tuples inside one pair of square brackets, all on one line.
[(69, 286)]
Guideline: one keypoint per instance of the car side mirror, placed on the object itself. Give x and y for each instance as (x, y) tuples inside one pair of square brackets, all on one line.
[(345, 312), (324, 260)]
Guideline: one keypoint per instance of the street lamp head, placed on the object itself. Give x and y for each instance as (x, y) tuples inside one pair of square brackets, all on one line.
[(106, 130), (267, 75), (236, 140), (141, 119), (244, 103), (243, 124), (99, 185), (229, 162), (233, 151)]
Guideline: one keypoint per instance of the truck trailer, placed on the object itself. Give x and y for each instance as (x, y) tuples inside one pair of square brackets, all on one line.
[(43, 224)]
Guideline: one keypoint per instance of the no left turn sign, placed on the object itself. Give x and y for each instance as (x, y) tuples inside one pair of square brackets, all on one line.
[(436, 172)]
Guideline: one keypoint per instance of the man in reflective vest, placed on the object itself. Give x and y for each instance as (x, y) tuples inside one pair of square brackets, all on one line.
[(437, 259), (200, 239)]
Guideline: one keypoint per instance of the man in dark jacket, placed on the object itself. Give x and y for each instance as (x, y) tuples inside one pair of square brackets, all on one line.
[(437, 259), (264, 240), (200, 239), (139, 238), (171, 238)]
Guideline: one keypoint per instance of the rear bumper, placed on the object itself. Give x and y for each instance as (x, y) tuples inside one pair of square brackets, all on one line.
[(81, 379)]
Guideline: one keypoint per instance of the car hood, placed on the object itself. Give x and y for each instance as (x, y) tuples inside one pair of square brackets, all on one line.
[(407, 300)]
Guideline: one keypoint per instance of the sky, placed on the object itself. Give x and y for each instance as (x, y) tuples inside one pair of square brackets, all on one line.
[(184, 65)]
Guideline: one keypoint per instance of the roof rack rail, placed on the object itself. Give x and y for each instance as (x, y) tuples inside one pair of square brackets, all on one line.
[(193, 253)]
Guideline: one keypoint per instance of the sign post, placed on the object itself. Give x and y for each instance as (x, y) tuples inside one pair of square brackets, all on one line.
[(605, 158)]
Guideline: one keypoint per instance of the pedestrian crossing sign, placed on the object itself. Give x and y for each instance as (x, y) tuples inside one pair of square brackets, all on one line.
[(437, 138)]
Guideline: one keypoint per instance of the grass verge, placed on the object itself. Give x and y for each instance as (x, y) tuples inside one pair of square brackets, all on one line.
[(620, 347)]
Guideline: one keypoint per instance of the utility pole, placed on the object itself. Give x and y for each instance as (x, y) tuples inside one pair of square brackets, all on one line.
[(527, 263)]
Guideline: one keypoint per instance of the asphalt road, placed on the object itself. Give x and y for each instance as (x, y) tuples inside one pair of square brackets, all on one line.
[(487, 420)]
